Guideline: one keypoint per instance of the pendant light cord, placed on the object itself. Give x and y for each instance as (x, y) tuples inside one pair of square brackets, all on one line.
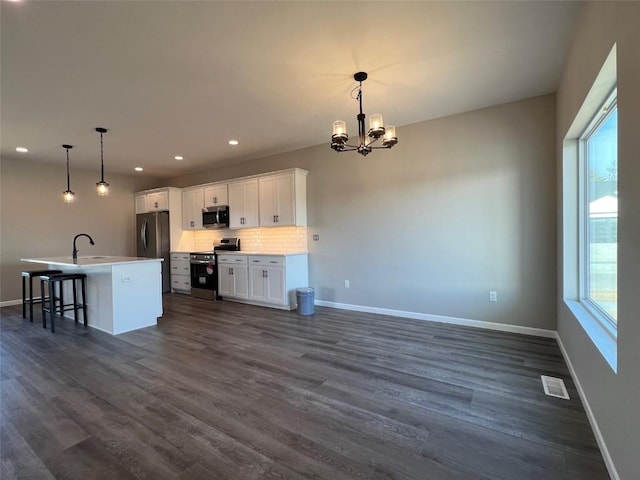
[(101, 160), (68, 182)]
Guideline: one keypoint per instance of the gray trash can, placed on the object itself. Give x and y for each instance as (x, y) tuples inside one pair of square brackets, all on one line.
[(305, 299)]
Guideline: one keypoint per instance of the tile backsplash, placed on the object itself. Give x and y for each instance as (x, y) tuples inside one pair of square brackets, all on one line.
[(261, 240)]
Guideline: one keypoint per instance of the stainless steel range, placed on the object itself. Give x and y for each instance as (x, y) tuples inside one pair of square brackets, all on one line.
[(204, 271)]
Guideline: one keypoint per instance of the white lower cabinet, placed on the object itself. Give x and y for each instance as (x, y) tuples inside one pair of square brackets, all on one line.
[(180, 272), (233, 281), (266, 284), (269, 280)]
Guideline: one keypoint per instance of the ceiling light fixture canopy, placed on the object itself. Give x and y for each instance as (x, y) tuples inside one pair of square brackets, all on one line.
[(102, 187), (68, 196), (340, 138)]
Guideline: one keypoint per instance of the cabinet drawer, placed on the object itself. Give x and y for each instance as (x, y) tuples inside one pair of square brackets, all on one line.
[(180, 257), (232, 259), (266, 260), (181, 283), (180, 268)]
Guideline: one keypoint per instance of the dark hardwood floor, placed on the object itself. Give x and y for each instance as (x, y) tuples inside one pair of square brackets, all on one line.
[(228, 391)]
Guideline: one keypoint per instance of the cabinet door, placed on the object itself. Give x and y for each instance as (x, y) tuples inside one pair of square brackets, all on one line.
[(277, 200), (225, 281), (267, 201), (258, 283), (236, 205), (192, 203), (216, 195), (275, 285), (251, 204), (285, 199), (241, 282), (157, 201), (141, 204), (243, 204)]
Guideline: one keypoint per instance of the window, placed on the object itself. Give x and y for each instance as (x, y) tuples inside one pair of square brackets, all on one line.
[(589, 218), (598, 211)]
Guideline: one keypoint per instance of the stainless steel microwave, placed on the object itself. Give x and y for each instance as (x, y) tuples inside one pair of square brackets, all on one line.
[(215, 217)]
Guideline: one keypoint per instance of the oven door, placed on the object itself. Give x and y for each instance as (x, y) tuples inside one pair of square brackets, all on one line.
[(204, 279)]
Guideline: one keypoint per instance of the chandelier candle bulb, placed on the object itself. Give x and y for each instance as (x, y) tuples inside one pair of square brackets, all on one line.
[(340, 130), (389, 138), (376, 128)]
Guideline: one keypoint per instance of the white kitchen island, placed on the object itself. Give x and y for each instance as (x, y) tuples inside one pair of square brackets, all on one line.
[(123, 293)]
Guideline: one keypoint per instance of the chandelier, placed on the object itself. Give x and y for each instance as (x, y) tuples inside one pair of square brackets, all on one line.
[(377, 130)]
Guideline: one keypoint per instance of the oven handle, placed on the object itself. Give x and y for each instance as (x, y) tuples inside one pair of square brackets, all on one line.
[(202, 262)]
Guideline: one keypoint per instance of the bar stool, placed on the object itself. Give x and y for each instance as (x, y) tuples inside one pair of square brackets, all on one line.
[(29, 274), (52, 308)]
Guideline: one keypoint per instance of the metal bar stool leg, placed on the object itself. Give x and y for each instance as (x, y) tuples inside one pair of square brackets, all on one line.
[(84, 301), (24, 298), (75, 301), (42, 304), (31, 298), (52, 303)]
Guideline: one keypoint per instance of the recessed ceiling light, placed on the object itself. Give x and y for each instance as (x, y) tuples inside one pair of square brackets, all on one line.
[(138, 169), (178, 157), (22, 149), (233, 142)]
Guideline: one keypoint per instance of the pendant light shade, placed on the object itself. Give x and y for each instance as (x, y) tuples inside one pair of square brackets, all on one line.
[(102, 187), (68, 196)]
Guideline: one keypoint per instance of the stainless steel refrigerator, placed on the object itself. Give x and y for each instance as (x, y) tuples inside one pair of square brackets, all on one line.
[(152, 231)]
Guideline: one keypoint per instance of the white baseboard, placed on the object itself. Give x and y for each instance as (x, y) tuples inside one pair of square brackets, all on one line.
[(538, 332), (606, 456), (10, 303)]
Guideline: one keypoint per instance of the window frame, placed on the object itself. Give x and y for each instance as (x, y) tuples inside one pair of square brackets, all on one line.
[(606, 109)]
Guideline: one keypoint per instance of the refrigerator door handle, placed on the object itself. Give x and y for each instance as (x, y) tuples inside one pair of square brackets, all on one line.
[(143, 235)]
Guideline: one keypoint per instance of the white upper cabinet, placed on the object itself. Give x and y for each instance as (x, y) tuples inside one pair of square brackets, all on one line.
[(243, 204), (215, 195), (152, 201), (157, 201), (192, 204), (283, 199)]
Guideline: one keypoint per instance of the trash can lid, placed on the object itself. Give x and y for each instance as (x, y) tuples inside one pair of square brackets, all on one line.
[(304, 290)]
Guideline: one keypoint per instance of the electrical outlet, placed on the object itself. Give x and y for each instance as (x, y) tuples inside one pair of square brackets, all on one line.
[(493, 296), (347, 284), (316, 237), (125, 279)]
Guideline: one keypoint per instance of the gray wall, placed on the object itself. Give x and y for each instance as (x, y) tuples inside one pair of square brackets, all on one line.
[(35, 222), (613, 398), (462, 205)]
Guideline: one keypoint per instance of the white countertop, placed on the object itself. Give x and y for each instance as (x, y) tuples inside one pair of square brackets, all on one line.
[(242, 252), (90, 260)]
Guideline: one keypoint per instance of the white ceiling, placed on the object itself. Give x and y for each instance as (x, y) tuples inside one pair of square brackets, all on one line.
[(173, 78)]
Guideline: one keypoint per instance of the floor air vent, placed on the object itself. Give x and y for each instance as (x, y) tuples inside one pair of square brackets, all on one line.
[(554, 387)]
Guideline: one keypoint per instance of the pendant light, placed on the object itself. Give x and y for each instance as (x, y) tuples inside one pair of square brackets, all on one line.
[(68, 196), (102, 187)]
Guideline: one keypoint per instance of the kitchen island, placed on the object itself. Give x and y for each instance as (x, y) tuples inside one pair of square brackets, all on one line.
[(123, 293)]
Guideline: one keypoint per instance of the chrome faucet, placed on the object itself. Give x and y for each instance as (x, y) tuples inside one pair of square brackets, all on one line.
[(75, 250)]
